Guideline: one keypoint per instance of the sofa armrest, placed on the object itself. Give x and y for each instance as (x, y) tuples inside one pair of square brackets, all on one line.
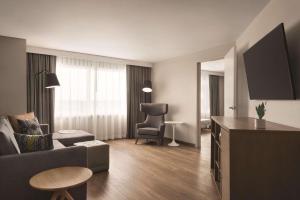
[(16, 171), (45, 128)]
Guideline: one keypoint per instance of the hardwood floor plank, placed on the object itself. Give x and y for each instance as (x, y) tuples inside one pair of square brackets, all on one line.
[(148, 171)]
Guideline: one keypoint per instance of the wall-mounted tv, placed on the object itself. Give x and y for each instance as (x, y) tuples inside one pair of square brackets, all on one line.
[(268, 69)]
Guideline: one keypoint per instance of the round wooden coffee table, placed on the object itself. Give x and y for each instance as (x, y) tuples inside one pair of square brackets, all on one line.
[(59, 180)]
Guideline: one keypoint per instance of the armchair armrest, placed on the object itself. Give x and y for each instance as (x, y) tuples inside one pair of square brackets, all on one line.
[(45, 128), (17, 169), (162, 127), (141, 125)]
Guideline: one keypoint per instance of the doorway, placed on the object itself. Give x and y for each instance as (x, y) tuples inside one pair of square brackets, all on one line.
[(212, 91), (210, 98)]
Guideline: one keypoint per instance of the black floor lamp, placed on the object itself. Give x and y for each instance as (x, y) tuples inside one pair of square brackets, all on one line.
[(51, 81), (147, 89)]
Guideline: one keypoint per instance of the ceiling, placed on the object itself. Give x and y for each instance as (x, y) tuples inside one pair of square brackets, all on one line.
[(213, 66), (145, 30)]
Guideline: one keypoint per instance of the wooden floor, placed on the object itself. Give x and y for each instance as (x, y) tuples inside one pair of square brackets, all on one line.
[(147, 172)]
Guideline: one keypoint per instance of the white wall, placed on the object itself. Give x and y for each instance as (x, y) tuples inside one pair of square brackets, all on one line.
[(277, 11), (175, 83), (13, 75)]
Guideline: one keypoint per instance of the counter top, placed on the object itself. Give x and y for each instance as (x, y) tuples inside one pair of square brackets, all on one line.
[(246, 124)]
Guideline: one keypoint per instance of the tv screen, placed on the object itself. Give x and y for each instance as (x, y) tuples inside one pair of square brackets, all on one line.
[(268, 69)]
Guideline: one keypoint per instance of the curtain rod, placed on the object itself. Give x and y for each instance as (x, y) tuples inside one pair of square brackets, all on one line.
[(62, 53)]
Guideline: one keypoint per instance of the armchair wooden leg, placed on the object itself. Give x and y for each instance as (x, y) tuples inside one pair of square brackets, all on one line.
[(136, 141)]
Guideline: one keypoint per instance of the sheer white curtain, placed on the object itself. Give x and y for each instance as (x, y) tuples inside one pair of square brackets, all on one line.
[(91, 97), (205, 106)]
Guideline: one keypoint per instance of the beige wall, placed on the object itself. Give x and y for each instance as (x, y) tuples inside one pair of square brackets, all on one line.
[(277, 11), (175, 83), (12, 75)]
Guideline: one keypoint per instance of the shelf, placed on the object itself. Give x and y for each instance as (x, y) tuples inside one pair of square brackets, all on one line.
[(217, 164), (218, 143), (213, 134), (215, 155)]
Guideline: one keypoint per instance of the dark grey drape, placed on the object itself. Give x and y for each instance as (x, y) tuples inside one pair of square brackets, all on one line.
[(136, 75), (214, 95), (44, 102)]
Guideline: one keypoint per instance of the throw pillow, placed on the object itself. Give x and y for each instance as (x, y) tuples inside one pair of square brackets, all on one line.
[(14, 120), (8, 143), (32, 143), (30, 127)]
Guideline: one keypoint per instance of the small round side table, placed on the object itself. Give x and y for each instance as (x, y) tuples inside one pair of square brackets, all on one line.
[(173, 123), (59, 180)]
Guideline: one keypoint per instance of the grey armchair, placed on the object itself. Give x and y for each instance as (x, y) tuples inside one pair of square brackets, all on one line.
[(154, 125)]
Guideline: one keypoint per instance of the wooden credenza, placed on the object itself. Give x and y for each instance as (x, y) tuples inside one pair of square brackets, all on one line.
[(255, 164)]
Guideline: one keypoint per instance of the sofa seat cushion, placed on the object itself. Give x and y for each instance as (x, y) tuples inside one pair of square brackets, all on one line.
[(148, 131), (57, 145), (68, 139), (8, 143), (32, 143)]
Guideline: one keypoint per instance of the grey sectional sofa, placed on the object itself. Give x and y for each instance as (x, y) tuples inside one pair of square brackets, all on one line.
[(16, 169)]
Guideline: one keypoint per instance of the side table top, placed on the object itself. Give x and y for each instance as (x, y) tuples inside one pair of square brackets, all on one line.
[(60, 178), (90, 143), (173, 122), (70, 131)]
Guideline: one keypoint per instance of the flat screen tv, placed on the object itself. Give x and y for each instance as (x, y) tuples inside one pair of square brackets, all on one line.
[(268, 69)]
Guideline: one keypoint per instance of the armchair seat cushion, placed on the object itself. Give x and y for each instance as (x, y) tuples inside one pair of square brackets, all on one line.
[(148, 131)]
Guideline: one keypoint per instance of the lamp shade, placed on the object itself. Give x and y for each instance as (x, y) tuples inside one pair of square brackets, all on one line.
[(147, 87), (51, 80)]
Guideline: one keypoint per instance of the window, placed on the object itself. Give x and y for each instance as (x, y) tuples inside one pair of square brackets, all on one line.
[(91, 97)]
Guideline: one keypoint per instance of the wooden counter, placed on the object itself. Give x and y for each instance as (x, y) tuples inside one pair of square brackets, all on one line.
[(255, 164), (247, 124)]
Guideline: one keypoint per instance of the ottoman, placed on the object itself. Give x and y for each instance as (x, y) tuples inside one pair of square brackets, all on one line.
[(97, 155), (69, 137)]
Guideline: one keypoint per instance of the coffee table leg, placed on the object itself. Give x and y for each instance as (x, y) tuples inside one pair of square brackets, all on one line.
[(62, 194), (55, 195), (67, 195)]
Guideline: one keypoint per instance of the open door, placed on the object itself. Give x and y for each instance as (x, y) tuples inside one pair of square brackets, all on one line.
[(230, 71)]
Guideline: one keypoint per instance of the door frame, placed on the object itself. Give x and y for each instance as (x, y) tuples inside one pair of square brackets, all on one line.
[(198, 102), (235, 95)]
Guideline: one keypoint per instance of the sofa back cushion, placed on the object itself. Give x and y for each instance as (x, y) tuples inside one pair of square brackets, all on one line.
[(14, 120), (6, 147), (8, 143)]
